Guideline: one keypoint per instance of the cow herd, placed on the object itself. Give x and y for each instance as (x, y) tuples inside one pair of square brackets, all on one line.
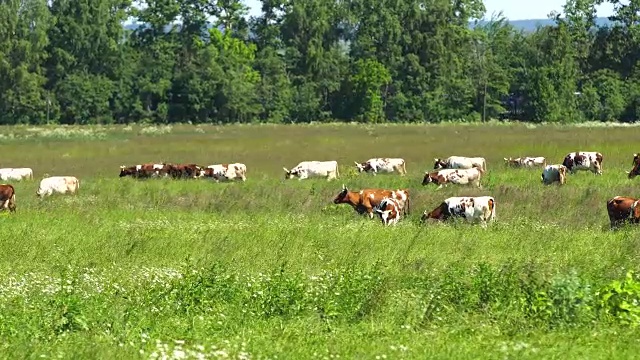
[(389, 205)]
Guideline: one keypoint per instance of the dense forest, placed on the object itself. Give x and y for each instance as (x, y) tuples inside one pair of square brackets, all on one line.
[(206, 61)]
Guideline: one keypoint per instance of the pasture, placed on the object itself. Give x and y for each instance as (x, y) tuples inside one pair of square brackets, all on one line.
[(271, 268)]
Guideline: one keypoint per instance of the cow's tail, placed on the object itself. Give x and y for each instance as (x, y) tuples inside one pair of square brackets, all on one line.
[(337, 171), (404, 168), (408, 206)]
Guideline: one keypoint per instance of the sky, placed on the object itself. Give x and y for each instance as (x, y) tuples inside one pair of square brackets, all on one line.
[(512, 9)]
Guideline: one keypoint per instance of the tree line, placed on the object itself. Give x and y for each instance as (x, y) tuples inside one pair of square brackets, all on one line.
[(375, 61)]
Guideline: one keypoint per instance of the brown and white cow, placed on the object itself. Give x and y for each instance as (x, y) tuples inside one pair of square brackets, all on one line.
[(526, 162), (8, 197), (554, 173), (623, 209), (366, 200), (460, 162), (389, 211), (382, 165), (473, 209), (583, 160), (184, 171), (455, 176), (145, 170), (225, 172)]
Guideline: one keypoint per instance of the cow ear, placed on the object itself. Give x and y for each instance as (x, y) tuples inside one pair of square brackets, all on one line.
[(435, 159), (122, 167), (505, 159), (285, 169)]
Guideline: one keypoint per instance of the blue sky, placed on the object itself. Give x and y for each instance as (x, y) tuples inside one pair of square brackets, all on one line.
[(512, 9)]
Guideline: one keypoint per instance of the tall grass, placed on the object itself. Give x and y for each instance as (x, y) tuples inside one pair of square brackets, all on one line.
[(272, 268)]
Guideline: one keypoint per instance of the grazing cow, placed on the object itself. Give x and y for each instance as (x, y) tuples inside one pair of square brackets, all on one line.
[(583, 160), (225, 172), (367, 199), (554, 173), (382, 165), (8, 197), (527, 162), (58, 184), (622, 209), (460, 162), (472, 209), (456, 176), (310, 169), (389, 211), (17, 174)]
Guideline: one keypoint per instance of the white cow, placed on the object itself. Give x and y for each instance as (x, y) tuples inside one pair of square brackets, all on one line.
[(8, 174), (554, 173), (473, 209), (382, 165), (389, 211), (527, 161), (466, 176), (460, 162), (225, 172), (583, 160), (309, 169), (58, 184)]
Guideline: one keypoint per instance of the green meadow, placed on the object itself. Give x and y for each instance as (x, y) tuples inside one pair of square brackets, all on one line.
[(271, 268)]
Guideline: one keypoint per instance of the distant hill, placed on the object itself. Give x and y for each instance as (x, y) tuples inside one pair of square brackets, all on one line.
[(526, 25)]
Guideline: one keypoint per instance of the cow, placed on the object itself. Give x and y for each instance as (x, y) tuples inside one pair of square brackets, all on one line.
[(527, 162), (310, 169), (17, 174), (389, 211), (186, 171), (473, 209), (623, 209), (460, 162), (554, 173), (145, 170), (367, 199), (58, 184), (225, 172), (456, 176), (635, 171), (583, 160), (8, 197), (382, 165)]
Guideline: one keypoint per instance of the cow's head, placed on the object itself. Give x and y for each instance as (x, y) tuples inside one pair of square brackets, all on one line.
[(342, 196), (636, 158), (439, 164), (125, 171), (427, 178), (365, 166), (290, 174), (635, 171)]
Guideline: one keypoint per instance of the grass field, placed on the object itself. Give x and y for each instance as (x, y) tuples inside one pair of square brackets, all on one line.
[(273, 269)]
